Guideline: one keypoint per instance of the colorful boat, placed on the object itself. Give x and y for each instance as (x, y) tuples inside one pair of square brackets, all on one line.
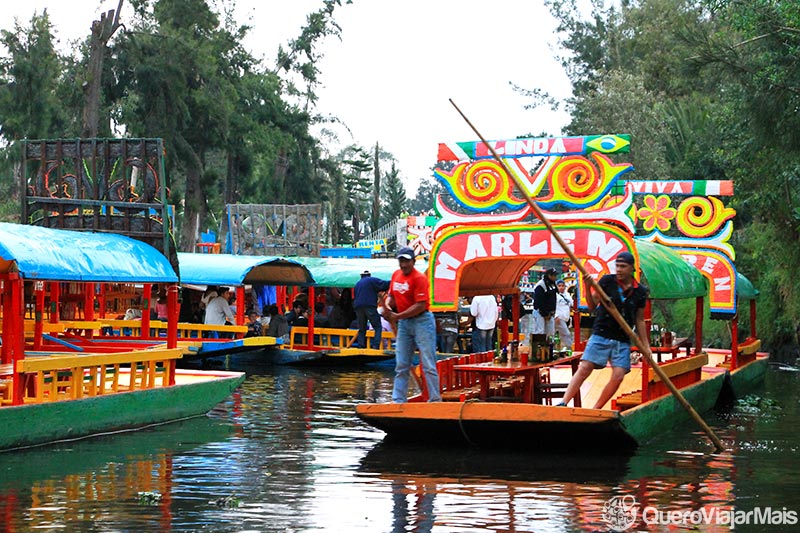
[(86, 387), (314, 345), (479, 251), (236, 272), (330, 346)]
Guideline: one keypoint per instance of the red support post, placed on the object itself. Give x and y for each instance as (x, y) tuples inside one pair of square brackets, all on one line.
[(147, 292), (14, 328), (515, 316), (699, 309), (55, 302), (735, 342), (240, 305), (101, 299), (173, 311), (88, 306), (38, 314), (311, 317)]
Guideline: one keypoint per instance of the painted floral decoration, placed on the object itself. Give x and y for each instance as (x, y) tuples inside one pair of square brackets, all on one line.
[(656, 213)]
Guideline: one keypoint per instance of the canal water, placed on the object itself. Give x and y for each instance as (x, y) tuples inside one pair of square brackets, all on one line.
[(286, 453)]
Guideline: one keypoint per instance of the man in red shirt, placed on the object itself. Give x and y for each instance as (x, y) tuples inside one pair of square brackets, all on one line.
[(407, 305)]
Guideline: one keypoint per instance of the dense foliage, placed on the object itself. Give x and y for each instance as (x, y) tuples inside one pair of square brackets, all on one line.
[(236, 130), (709, 89)]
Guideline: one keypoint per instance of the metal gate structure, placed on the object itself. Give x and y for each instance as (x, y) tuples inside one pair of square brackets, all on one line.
[(103, 185), (274, 229)]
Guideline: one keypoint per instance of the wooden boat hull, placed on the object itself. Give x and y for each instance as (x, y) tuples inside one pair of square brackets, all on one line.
[(277, 355), (499, 424), (207, 349), (194, 394), (533, 426)]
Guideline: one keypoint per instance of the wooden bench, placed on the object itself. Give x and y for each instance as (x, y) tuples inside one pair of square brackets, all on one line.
[(748, 351), (682, 372)]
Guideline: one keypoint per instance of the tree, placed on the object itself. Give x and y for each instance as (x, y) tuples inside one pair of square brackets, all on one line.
[(425, 200), (33, 101), (394, 197), (102, 31), (356, 161), (29, 83), (172, 68), (376, 190)]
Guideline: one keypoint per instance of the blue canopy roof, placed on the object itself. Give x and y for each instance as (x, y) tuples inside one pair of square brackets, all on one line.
[(233, 270), (61, 255)]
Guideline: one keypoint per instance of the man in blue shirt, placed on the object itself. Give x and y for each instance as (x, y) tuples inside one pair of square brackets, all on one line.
[(366, 307)]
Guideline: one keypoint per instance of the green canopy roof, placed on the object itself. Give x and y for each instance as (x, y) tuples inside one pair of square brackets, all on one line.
[(667, 274), (744, 288), (345, 272)]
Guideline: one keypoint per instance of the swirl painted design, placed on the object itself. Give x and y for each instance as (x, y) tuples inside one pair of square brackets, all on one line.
[(576, 182), (481, 186), (700, 217)]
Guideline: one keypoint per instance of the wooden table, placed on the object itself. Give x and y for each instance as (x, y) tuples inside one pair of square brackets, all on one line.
[(674, 349), (530, 373)]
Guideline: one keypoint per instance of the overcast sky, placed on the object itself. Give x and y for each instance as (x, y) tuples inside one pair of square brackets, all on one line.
[(398, 62)]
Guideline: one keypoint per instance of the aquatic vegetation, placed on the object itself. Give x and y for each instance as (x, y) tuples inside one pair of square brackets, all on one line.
[(150, 497), (756, 404), (227, 502)]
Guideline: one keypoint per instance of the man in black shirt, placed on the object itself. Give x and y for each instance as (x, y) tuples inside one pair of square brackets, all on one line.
[(544, 303), (608, 340)]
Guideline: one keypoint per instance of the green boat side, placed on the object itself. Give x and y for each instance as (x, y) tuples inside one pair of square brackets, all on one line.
[(746, 378), (648, 420), (195, 394)]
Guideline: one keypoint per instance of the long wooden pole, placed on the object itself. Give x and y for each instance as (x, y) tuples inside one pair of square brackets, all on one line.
[(604, 299)]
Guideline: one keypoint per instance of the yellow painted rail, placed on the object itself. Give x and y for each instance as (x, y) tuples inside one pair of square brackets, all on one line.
[(335, 338), (68, 377), (158, 328)]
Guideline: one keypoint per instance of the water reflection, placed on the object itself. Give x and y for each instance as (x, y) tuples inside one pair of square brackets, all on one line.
[(289, 446)]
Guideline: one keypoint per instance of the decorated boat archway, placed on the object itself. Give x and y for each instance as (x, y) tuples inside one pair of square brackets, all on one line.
[(484, 242)]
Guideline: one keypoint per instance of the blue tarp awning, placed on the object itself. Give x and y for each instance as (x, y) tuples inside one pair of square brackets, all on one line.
[(233, 270), (61, 255)]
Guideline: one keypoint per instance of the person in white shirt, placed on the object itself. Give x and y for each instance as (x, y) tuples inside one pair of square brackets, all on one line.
[(484, 309), (219, 310), (563, 313)]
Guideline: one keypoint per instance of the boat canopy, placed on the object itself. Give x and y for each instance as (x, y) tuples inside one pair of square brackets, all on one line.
[(47, 254), (233, 270), (345, 272), (744, 288), (667, 274)]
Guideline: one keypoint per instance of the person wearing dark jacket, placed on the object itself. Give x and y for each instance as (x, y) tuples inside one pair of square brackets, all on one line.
[(544, 303), (366, 307)]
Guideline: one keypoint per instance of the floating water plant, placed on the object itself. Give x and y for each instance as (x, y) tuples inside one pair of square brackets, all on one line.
[(150, 497)]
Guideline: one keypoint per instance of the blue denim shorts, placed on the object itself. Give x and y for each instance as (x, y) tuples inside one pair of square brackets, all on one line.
[(599, 350)]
